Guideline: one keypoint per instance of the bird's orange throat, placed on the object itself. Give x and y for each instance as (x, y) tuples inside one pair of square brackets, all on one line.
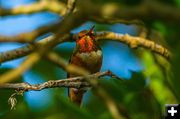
[(86, 44), (88, 54)]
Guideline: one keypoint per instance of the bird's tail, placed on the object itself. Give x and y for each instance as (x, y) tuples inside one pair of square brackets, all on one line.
[(76, 95)]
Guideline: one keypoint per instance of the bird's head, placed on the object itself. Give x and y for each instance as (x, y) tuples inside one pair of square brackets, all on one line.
[(86, 33), (86, 40)]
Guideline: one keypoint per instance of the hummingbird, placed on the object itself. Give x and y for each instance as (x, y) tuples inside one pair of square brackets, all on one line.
[(88, 55)]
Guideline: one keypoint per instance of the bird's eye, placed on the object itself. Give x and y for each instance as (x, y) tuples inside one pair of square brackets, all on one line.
[(91, 33)]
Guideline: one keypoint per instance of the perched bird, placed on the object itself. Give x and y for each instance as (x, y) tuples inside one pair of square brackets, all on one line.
[(87, 54)]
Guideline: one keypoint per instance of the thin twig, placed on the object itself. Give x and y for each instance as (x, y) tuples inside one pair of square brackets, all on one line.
[(12, 99)]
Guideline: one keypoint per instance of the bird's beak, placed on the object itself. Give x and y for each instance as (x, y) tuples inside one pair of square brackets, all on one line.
[(91, 29)]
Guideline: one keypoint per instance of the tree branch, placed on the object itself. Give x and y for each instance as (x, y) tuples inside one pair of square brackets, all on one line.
[(42, 5), (64, 27), (135, 42), (106, 12), (132, 41), (25, 50), (28, 37), (147, 10), (69, 22), (14, 73), (75, 82), (70, 6), (59, 61)]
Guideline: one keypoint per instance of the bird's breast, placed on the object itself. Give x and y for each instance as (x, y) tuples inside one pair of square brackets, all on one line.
[(92, 61)]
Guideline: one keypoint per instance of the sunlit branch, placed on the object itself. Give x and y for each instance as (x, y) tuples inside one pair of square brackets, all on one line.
[(132, 41), (65, 26), (15, 73), (145, 11), (42, 5), (59, 61), (70, 6), (135, 42), (25, 50), (68, 23), (28, 37), (31, 36), (106, 13)]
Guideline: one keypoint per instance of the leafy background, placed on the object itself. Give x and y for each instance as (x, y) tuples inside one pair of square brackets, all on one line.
[(151, 82)]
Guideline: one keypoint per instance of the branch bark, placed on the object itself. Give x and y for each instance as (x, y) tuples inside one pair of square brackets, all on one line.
[(132, 41), (146, 11), (135, 42), (70, 6), (29, 37), (25, 50), (40, 6), (75, 82)]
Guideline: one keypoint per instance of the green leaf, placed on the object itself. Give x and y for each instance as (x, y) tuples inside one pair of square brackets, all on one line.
[(67, 110)]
